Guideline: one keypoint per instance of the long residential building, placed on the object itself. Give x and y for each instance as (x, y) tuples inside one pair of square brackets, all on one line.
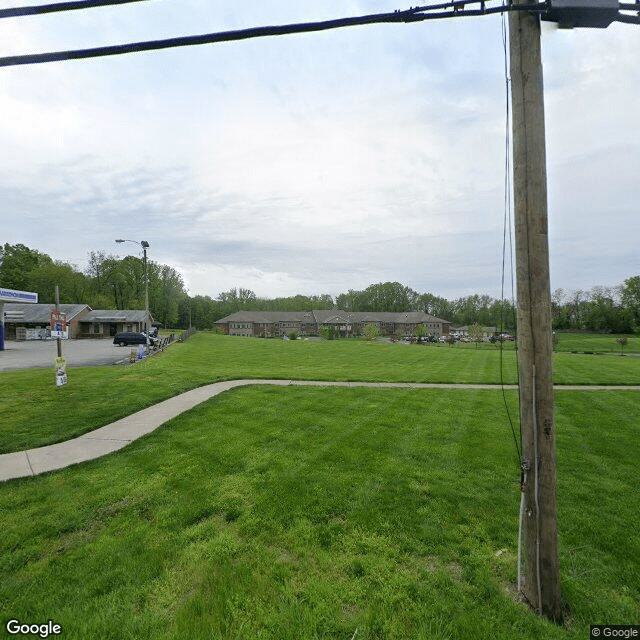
[(267, 324)]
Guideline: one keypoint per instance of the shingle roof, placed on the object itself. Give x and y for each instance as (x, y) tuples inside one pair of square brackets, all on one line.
[(117, 315), (41, 313), (269, 317), (331, 316)]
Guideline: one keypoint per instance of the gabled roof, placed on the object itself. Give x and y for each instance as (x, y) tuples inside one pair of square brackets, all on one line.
[(115, 315), (41, 313), (269, 317), (397, 317), (331, 316)]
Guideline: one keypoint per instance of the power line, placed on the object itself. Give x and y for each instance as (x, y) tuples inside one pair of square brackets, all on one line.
[(18, 12), (456, 9), (554, 10)]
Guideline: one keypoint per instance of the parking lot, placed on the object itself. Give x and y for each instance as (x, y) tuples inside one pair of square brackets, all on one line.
[(31, 354)]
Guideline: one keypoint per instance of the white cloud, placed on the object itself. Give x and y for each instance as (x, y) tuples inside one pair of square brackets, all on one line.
[(312, 163)]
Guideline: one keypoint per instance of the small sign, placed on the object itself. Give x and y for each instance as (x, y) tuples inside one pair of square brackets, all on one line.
[(58, 324), (11, 295), (60, 365)]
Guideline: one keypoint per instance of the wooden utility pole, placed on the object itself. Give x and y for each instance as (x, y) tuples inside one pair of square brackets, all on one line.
[(542, 574), (59, 340)]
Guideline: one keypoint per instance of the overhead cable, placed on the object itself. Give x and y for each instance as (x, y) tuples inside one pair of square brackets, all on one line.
[(34, 10), (456, 9)]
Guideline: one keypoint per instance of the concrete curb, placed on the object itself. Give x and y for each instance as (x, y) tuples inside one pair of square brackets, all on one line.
[(119, 434)]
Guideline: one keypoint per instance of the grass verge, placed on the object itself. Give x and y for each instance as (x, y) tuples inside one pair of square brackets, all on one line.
[(33, 412), (310, 513)]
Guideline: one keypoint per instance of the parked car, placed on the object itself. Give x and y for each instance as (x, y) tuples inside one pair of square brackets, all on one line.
[(131, 337)]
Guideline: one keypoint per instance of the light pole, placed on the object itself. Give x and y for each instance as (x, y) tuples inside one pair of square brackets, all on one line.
[(145, 245)]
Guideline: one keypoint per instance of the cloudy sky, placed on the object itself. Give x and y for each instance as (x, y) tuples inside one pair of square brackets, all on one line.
[(312, 163)]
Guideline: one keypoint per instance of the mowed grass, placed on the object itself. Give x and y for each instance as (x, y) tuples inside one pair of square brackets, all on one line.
[(310, 513), (596, 343), (33, 412)]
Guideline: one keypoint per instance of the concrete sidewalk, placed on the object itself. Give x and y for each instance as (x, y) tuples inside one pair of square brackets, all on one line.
[(117, 435)]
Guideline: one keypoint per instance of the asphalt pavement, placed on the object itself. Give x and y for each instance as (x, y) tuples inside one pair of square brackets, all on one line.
[(40, 354)]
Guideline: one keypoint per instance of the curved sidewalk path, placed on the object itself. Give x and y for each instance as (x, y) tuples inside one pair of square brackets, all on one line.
[(117, 435)]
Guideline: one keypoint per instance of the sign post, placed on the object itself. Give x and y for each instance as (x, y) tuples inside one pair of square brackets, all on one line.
[(58, 328)]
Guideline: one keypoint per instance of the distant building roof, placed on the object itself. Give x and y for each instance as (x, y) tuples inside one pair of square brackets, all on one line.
[(41, 313), (118, 315), (331, 316), (269, 317)]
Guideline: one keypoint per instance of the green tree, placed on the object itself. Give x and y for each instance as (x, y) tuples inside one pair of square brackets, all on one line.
[(352, 301), (435, 306), (476, 333), (125, 280), (16, 263), (384, 296), (623, 343), (166, 291), (631, 300), (72, 284), (203, 310)]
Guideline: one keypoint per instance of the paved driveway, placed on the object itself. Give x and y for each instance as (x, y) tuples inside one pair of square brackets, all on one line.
[(79, 353)]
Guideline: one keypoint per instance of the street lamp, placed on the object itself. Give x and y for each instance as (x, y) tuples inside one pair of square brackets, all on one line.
[(145, 245)]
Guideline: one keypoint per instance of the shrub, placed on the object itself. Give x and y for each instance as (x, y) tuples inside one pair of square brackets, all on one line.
[(328, 332), (371, 332)]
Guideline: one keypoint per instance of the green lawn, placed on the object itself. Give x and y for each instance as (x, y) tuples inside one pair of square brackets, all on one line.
[(308, 513), (595, 342), (33, 412)]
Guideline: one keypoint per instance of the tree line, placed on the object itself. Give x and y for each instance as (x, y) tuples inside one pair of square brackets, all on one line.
[(110, 282), (605, 309)]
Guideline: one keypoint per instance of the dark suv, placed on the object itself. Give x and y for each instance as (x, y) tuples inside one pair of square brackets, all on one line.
[(131, 337)]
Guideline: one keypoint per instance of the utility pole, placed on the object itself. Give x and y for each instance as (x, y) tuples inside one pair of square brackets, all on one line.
[(542, 575), (59, 340), (144, 244)]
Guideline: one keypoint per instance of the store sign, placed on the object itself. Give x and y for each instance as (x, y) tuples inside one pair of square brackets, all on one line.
[(10, 295)]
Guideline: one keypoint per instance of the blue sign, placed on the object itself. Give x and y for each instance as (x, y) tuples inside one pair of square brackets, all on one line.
[(9, 295)]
